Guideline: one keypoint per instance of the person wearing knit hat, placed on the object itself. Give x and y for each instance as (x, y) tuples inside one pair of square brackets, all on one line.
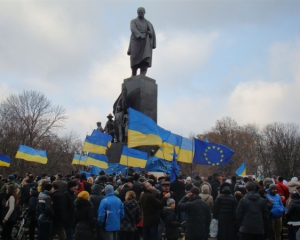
[(11, 177), (84, 217), (276, 211), (193, 206), (188, 180), (114, 206), (83, 195), (171, 223)]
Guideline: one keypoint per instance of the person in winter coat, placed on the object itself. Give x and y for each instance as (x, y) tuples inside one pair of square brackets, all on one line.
[(205, 195), (276, 211), (171, 223), (95, 199), (131, 218), (110, 213), (68, 211), (58, 221), (215, 184), (282, 190), (44, 212), (12, 201), (198, 215), (268, 227), (31, 213), (252, 214), (293, 216), (224, 212), (84, 217)]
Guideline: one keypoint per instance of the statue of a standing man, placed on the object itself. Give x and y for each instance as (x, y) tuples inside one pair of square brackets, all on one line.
[(142, 41)]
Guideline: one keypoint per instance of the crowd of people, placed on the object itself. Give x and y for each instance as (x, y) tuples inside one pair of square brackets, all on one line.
[(111, 207)]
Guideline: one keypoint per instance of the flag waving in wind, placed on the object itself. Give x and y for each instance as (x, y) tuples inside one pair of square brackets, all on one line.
[(4, 161), (211, 154), (97, 142), (143, 131), (32, 155), (134, 158), (241, 171), (175, 168)]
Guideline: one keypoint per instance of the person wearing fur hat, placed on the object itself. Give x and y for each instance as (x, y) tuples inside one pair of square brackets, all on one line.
[(44, 212), (276, 211), (171, 223), (224, 212), (198, 215), (84, 217), (68, 210), (110, 213), (205, 194)]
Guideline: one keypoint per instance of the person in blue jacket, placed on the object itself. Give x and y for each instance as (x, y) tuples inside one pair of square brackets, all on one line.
[(110, 213), (276, 211)]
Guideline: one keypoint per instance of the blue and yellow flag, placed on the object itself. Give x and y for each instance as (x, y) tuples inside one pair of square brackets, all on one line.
[(143, 131), (29, 154), (98, 160), (186, 151), (133, 158), (4, 161), (105, 137), (211, 154), (97, 142), (167, 147), (79, 160), (241, 171)]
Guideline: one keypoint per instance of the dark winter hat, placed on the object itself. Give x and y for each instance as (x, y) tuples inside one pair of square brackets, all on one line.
[(273, 187), (170, 201), (82, 176), (48, 187), (109, 189), (195, 190), (33, 190), (165, 183), (11, 177), (71, 184), (295, 196), (188, 187)]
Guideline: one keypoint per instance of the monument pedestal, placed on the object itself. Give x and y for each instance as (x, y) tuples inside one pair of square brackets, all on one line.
[(142, 95)]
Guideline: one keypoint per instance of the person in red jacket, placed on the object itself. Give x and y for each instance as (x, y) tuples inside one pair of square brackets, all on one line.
[(282, 190)]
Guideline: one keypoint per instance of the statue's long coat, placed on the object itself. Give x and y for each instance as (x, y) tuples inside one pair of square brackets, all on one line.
[(140, 50)]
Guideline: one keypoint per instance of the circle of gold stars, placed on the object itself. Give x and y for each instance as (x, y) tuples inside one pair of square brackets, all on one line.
[(215, 148)]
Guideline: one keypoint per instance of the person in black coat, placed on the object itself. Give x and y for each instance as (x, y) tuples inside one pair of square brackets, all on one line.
[(171, 223), (197, 215), (137, 186), (252, 214), (127, 187), (58, 221), (84, 217), (68, 209), (293, 215), (95, 199), (215, 184), (31, 212), (269, 234), (224, 212)]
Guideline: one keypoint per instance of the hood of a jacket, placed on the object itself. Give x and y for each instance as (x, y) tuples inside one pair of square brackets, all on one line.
[(82, 203), (253, 196), (205, 188)]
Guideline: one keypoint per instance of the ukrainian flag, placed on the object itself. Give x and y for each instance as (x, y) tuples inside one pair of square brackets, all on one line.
[(106, 138), (133, 158), (95, 145), (98, 160), (4, 161), (31, 155), (167, 148), (259, 178), (143, 131), (241, 171), (186, 151), (79, 160)]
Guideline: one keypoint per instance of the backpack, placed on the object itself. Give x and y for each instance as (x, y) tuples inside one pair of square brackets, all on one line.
[(80, 187)]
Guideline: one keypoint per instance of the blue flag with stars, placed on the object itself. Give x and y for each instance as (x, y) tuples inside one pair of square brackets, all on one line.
[(211, 154)]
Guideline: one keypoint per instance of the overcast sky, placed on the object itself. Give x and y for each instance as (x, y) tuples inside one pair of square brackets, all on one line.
[(213, 58)]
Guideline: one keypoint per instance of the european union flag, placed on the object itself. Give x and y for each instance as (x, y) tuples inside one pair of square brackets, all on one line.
[(155, 164), (211, 154)]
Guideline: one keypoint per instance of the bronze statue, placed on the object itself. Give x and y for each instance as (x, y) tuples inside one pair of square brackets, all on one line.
[(109, 127), (119, 124), (99, 127), (142, 41)]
